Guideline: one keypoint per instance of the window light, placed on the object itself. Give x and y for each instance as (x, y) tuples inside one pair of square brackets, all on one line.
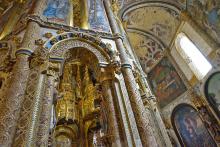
[(192, 55)]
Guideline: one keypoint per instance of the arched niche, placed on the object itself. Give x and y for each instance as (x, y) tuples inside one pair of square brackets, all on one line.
[(190, 128), (79, 52), (57, 46)]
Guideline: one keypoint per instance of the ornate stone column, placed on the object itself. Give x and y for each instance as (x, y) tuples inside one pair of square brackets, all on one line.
[(113, 135), (153, 103), (12, 99), (14, 94), (142, 120), (46, 107)]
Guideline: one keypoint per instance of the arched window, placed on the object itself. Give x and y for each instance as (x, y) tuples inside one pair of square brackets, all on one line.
[(189, 127), (192, 55)]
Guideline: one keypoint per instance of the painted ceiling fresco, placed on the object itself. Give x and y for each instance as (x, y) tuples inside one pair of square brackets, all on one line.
[(161, 22), (151, 25), (148, 51), (207, 14)]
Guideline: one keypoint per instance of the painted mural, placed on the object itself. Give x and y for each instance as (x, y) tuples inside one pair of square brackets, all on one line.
[(165, 82), (212, 92), (190, 128), (207, 14), (97, 16), (57, 10)]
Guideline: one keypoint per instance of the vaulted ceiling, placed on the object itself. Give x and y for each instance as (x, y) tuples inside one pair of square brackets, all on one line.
[(151, 25)]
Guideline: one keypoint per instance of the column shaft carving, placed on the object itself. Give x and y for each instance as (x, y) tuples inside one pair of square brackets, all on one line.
[(28, 121), (113, 126), (12, 100), (45, 117), (153, 103), (14, 95), (141, 117)]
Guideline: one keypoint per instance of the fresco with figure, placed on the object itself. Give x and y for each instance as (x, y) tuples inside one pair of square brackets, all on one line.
[(207, 14), (165, 82), (190, 128), (97, 16), (57, 10), (212, 92)]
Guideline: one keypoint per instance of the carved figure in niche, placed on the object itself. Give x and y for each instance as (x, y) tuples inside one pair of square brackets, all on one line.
[(190, 128), (57, 10)]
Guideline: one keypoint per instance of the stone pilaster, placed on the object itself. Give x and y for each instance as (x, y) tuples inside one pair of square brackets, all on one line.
[(141, 117), (113, 134)]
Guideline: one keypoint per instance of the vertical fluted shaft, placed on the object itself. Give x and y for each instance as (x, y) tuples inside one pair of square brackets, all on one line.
[(141, 117), (113, 133), (45, 117)]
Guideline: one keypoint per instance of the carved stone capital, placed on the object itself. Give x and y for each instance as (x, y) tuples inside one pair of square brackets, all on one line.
[(106, 74), (53, 69)]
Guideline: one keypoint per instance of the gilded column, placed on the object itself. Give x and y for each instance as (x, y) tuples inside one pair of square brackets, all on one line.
[(84, 13), (141, 117), (113, 134), (14, 95), (45, 115)]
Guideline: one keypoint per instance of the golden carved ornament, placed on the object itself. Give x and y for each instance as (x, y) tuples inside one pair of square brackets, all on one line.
[(17, 40), (39, 42), (48, 35)]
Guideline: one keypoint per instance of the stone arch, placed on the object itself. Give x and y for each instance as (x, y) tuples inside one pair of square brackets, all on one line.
[(58, 45)]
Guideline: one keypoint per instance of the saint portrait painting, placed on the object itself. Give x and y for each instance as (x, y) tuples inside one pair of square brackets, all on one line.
[(190, 128)]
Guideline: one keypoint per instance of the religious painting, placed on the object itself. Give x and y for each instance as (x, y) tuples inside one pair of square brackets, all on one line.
[(212, 92), (97, 16), (190, 127), (57, 10), (165, 82), (207, 15)]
